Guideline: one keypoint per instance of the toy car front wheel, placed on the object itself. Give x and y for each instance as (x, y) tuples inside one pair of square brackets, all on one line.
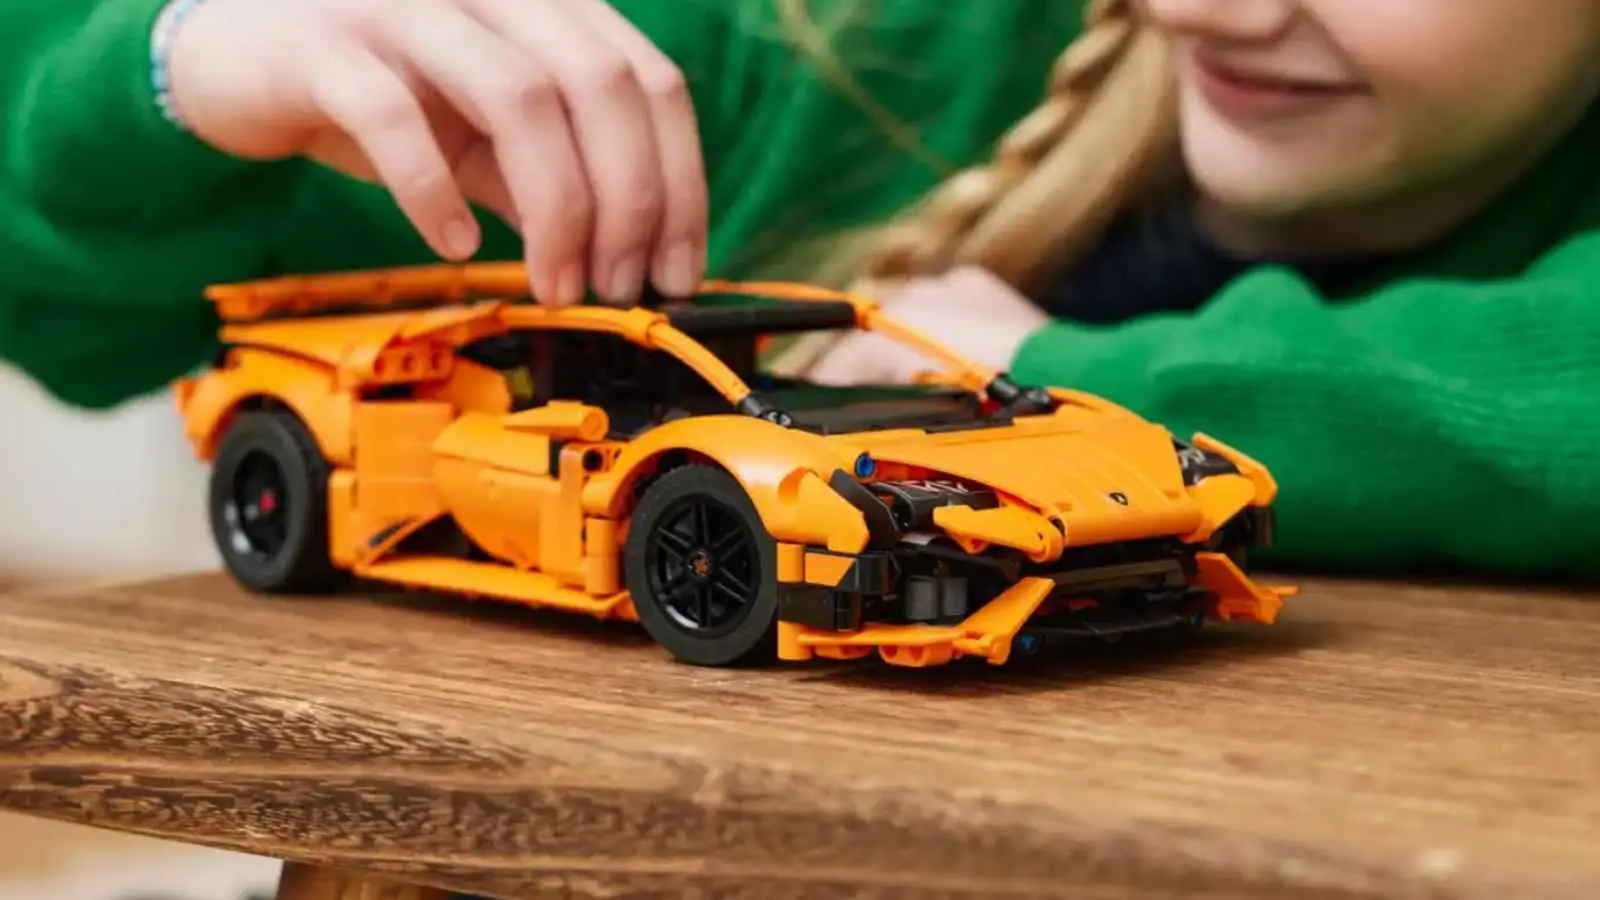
[(702, 569), (268, 504)]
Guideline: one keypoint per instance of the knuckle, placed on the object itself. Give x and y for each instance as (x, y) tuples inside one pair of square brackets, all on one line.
[(628, 213), (663, 81), (418, 178), (640, 204), (533, 90), (607, 75), (690, 206), (574, 210), (385, 113), (354, 18), (521, 91), (373, 23)]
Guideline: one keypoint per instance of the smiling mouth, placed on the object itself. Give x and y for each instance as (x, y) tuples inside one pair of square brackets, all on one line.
[(1266, 81), (1253, 93)]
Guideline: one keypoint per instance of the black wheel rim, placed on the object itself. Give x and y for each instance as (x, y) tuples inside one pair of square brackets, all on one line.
[(703, 567), (255, 509)]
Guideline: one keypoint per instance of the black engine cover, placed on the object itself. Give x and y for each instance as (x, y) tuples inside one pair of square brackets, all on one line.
[(913, 502)]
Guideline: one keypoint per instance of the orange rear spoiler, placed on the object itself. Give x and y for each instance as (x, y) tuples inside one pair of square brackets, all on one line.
[(369, 290)]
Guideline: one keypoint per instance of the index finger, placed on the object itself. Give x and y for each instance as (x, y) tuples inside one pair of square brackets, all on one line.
[(513, 100)]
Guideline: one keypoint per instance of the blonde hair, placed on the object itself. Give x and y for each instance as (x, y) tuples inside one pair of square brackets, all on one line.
[(1101, 137)]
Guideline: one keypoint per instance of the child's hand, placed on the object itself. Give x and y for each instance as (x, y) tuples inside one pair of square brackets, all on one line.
[(968, 309), (557, 115)]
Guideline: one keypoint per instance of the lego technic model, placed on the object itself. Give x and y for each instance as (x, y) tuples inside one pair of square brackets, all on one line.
[(430, 428)]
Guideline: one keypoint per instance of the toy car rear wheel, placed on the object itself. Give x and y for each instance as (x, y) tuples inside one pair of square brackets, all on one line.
[(268, 504), (702, 569)]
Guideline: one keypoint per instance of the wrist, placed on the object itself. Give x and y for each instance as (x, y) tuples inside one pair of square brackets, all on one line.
[(212, 73)]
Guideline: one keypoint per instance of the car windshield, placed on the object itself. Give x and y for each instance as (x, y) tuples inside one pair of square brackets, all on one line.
[(855, 408)]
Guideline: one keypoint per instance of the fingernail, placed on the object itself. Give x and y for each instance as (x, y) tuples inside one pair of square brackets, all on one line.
[(677, 271), (461, 237), (627, 280)]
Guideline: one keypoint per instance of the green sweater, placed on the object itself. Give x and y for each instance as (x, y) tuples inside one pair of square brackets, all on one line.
[(1448, 416)]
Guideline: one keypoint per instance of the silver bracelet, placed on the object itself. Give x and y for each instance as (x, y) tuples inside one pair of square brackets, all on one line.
[(171, 16)]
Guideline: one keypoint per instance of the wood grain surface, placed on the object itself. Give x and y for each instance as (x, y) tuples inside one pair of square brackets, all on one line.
[(1382, 741)]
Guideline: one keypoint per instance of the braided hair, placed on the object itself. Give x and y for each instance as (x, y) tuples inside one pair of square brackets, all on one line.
[(1103, 134)]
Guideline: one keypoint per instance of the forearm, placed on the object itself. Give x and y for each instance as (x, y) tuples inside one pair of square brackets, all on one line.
[(113, 220), (1422, 427)]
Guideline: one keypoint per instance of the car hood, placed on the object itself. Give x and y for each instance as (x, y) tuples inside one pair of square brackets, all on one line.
[(1115, 479)]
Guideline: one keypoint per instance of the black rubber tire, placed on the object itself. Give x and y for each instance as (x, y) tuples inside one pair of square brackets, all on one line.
[(749, 636), (273, 444)]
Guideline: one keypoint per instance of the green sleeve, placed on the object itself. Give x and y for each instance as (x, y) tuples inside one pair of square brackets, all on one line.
[(85, 141), (111, 220), (1428, 424)]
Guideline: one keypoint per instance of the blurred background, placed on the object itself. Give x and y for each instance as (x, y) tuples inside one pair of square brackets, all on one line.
[(71, 510)]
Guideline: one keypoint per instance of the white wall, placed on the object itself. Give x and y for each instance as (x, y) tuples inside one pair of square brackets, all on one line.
[(89, 494)]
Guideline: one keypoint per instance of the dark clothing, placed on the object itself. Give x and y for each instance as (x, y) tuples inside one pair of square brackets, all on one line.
[(1159, 260)]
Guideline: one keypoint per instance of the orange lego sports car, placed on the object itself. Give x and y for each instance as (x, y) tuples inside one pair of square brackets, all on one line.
[(429, 428)]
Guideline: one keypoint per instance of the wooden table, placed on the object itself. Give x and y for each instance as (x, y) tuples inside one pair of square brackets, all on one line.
[(1383, 741)]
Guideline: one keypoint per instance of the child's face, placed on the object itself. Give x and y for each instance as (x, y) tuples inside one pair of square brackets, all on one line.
[(1300, 106)]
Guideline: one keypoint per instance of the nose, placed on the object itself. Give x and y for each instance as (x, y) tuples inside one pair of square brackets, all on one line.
[(1229, 21)]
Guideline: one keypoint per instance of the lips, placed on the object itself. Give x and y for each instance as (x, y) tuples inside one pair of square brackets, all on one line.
[(1248, 92)]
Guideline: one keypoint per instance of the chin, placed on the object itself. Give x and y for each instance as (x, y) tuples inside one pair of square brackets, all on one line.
[(1243, 184), (1255, 177)]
